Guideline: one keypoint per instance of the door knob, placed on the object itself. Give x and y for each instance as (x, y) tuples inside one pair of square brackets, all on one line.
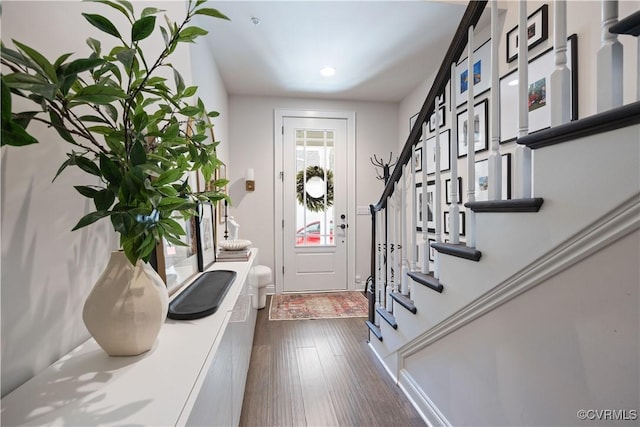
[(343, 226)]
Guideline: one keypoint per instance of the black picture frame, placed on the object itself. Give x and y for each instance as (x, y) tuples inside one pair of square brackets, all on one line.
[(432, 119), (481, 74), (445, 222), (445, 150), (481, 128), (417, 158), (205, 235), (418, 213), (447, 191), (540, 67), (431, 188), (537, 32)]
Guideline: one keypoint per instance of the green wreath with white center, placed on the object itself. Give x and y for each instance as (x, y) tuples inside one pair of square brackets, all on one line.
[(315, 204)]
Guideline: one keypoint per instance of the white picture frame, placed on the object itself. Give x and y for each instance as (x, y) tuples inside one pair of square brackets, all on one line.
[(481, 134), (540, 69), (445, 148), (481, 72)]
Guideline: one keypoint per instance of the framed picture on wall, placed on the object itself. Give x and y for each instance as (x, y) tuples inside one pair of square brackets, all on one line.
[(481, 74), (537, 32), (445, 146), (418, 215), (417, 159), (432, 120), (431, 220), (205, 236), (482, 180), (432, 252), (479, 129), (447, 226), (448, 189), (539, 92)]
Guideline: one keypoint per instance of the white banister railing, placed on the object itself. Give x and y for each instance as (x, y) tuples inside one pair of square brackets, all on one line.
[(424, 268), (495, 161), (560, 84), (404, 268), (471, 144), (437, 202), (454, 209), (609, 61), (523, 153), (414, 218)]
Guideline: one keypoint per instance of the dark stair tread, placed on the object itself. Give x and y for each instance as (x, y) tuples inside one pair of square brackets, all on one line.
[(459, 250), (427, 280), (404, 301), (375, 330), (629, 25), (388, 317), (512, 205)]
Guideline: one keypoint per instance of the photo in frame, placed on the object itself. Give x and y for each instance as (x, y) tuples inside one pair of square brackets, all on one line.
[(480, 129), (461, 221), (417, 159), (432, 120), (483, 181), (537, 32), (445, 148), (431, 220), (540, 69), (205, 236), (481, 74), (447, 189)]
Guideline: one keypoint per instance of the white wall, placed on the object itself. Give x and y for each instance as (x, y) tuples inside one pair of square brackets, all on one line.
[(570, 343), (252, 146), (47, 270)]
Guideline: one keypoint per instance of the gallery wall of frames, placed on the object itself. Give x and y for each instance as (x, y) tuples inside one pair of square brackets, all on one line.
[(540, 68)]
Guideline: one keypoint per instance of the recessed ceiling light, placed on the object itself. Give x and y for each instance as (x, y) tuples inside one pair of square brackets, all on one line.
[(328, 71)]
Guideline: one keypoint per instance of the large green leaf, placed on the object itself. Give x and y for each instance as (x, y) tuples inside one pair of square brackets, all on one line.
[(58, 125), (86, 191), (38, 58), (142, 28), (115, 6), (104, 199), (110, 170), (102, 95), (168, 177), (150, 11), (138, 154), (84, 64), (86, 165), (190, 33), (102, 23), (211, 12), (90, 219)]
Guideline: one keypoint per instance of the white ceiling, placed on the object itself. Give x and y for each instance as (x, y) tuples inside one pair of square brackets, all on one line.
[(381, 50)]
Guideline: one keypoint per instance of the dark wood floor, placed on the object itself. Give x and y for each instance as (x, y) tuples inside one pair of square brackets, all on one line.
[(319, 373)]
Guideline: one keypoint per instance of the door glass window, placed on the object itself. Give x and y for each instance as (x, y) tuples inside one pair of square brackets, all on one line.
[(314, 187)]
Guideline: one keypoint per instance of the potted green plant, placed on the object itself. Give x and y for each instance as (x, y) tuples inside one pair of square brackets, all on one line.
[(135, 132)]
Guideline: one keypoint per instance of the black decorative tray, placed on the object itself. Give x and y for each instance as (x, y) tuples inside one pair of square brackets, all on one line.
[(202, 297)]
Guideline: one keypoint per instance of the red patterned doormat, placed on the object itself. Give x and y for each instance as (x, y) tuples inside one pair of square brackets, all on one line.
[(318, 306)]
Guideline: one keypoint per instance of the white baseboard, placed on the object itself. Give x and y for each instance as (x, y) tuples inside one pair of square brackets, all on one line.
[(426, 408)]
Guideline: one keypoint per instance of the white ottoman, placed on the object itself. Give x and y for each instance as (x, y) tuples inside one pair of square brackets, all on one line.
[(262, 279)]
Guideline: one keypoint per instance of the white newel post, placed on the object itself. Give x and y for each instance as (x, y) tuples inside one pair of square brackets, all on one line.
[(523, 153), (495, 161), (414, 252), (405, 265), (471, 146), (437, 199), (560, 88), (454, 209), (424, 268), (609, 61), (389, 265)]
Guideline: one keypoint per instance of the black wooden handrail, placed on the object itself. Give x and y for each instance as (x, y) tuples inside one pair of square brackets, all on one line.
[(470, 18)]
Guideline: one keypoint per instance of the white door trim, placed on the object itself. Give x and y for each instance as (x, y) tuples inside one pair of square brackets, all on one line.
[(350, 116)]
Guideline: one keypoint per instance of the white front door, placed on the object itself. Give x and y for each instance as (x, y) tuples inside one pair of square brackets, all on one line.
[(314, 204)]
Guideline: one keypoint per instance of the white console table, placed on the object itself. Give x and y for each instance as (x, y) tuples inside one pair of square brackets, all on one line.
[(194, 375)]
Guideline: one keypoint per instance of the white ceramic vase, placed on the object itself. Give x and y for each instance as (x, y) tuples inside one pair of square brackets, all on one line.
[(127, 307)]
